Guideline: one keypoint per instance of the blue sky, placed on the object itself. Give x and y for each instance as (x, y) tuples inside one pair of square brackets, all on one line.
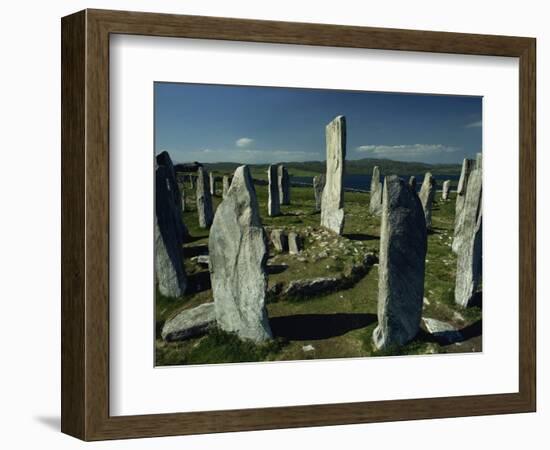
[(217, 123)]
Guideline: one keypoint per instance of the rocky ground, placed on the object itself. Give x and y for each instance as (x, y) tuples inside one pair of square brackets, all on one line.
[(322, 302)]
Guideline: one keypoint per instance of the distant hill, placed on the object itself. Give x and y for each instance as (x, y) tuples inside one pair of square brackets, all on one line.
[(355, 167)]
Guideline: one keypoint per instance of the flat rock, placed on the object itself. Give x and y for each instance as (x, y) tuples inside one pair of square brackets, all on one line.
[(189, 323), (442, 331)]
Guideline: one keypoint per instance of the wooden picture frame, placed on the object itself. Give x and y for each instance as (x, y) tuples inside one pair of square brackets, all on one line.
[(85, 224)]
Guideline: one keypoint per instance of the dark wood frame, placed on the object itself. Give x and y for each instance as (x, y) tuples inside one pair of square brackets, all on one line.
[(85, 224)]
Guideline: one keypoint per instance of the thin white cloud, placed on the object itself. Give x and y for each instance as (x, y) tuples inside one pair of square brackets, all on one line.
[(244, 142), (477, 124)]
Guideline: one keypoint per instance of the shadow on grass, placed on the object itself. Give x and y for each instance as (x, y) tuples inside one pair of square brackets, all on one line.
[(273, 269), (198, 282), (312, 327), (195, 250), (359, 237), (191, 239), (448, 338)]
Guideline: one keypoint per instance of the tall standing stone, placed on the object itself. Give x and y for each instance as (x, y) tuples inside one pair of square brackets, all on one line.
[(446, 189), (318, 186), (169, 269), (283, 181), (412, 182), (469, 248), (225, 185), (238, 255), (403, 245), (426, 195), (212, 181), (467, 166), (332, 204), (163, 159), (273, 201), (375, 205), (204, 199)]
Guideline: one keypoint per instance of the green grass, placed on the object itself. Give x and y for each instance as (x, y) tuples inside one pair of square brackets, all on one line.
[(337, 324)]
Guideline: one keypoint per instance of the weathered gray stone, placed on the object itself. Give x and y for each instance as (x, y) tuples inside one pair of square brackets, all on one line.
[(201, 259), (189, 323), (294, 243), (412, 182), (163, 159), (332, 204), (225, 185), (279, 240), (238, 255), (469, 248), (426, 195), (467, 166), (204, 199), (446, 189), (273, 201), (442, 331), (169, 269), (375, 205), (283, 181), (318, 186), (403, 245), (212, 182)]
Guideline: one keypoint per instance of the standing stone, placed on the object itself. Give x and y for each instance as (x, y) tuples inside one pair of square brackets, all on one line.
[(446, 189), (426, 195), (273, 205), (403, 245), (375, 206), (318, 186), (294, 243), (469, 249), (238, 255), (169, 269), (192, 181), (467, 166), (225, 185), (204, 199), (279, 240), (412, 183), (283, 181), (183, 200), (163, 159), (212, 181), (332, 203)]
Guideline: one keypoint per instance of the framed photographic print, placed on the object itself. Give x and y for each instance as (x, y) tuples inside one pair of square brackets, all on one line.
[(270, 224)]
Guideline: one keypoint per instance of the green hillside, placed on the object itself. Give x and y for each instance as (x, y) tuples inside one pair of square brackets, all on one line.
[(356, 167)]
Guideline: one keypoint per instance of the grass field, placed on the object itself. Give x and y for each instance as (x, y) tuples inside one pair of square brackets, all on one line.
[(334, 325)]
